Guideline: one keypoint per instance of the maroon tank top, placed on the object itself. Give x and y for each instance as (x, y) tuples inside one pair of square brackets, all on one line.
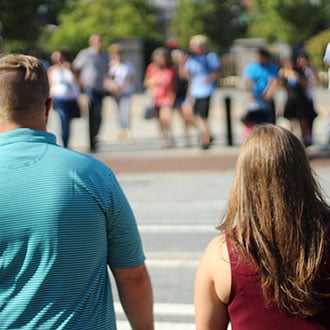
[(248, 309)]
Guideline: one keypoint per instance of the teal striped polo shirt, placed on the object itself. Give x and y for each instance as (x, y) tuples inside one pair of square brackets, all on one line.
[(64, 219)]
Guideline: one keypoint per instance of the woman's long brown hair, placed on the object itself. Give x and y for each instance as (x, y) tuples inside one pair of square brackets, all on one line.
[(280, 218)]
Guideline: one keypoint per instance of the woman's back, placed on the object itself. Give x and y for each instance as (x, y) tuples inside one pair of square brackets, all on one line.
[(248, 309), (275, 273)]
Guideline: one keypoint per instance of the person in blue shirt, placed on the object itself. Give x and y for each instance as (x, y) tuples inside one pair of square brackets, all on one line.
[(202, 68), (65, 222), (261, 81)]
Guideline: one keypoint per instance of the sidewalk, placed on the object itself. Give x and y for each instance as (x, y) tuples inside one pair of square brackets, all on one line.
[(143, 152)]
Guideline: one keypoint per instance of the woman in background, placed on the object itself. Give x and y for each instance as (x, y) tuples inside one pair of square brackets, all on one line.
[(298, 106), (270, 266), (120, 82), (64, 90), (160, 77)]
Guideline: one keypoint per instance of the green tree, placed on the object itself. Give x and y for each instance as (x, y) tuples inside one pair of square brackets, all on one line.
[(221, 21), (113, 19), (22, 21), (315, 47), (288, 20)]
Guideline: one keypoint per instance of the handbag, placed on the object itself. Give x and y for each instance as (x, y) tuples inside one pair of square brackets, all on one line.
[(150, 112), (74, 109), (71, 107)]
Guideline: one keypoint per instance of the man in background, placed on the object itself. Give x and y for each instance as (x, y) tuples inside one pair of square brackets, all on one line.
[(202, 67), (92, 64), (261, 81), (64, 220)]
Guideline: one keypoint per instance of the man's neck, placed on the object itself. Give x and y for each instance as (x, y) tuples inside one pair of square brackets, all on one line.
[(10, 126)]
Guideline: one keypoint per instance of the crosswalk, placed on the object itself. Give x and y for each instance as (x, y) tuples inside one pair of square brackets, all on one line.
[(163, 310), (176, 214), (183, 310)]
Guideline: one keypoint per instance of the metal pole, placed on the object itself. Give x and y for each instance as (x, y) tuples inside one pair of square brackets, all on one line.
[(228, 120)]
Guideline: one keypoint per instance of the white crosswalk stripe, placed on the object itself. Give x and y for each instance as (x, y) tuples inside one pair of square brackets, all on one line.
[(160, 326), (182, 310), (165, 309), (162, 309)]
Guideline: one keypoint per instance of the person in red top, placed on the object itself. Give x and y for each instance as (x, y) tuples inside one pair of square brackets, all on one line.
[(270, 266), (160, 77)]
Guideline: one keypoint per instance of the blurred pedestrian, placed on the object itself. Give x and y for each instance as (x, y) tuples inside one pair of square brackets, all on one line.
[(304, 64), (270, 266), (36, 52), (160, 79), (183, 102), (202, 67), (64, 90), (65, 222), (261, 81), (298, 105), (120, 82), (92, 65)]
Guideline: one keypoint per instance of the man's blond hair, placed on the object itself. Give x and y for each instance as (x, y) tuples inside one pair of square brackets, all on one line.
[(199, 39), (24, 87)]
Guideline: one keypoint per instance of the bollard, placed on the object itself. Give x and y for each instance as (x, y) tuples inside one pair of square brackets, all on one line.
[(228, 120)]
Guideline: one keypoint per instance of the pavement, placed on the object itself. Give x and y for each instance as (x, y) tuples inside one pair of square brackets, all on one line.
[(142, 153)]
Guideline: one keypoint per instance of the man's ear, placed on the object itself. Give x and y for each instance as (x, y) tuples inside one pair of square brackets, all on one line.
[(48, 105)]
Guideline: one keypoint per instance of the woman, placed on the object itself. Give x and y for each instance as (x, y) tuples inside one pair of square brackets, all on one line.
[(298, 105), (270, 266), (120, 83), (304, 64), (160, 79), (65, 91)]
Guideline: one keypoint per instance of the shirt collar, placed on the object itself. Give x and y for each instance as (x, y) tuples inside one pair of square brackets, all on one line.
[(27, 134)]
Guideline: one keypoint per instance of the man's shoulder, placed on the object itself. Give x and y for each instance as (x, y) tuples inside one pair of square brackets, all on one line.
[(213, 60), (253, 65), (251, 68), (81, 161), (273, 65), (211, 55), (84, 52)]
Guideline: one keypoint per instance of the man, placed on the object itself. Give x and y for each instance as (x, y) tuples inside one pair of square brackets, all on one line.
[(261, 80), (64, 220), (92, 64), (203, 71)]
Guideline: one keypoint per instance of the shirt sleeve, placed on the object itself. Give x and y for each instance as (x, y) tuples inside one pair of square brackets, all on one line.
[(124, 242), (213, 61), (249, 71), (79, 61)]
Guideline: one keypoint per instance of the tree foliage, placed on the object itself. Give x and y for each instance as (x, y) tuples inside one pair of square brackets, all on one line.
[(19, 23), (113, 19), (31, 23), (22, 21), (288, 20), (221, 21), (315, 47)]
